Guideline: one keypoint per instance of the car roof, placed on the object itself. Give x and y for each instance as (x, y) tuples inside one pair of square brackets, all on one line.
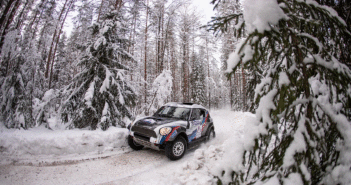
[(187, 105)]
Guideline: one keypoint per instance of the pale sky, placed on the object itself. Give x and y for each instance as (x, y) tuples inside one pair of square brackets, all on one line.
[(205, 8)]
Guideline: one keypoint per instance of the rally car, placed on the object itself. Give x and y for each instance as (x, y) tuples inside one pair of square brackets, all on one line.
[(173, 128)]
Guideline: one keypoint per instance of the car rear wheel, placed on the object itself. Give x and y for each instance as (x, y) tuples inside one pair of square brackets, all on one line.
[(176, 149), (211, 134), (133, 144)]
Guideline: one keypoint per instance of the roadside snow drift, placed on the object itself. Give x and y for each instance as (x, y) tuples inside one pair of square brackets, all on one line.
[(234, 132), (20, 144)]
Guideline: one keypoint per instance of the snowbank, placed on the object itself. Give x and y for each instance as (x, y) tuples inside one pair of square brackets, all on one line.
[(234, 132), (19, 144)]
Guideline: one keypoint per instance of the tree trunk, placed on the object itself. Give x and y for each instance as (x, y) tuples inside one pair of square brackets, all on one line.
[(162, 41), (32, 23), (8, 23), (52, 42), (185, 81), (57, 41), (244, 88), (173, 69), (20, 19), (102, 2), (145, 58), (5, 13), (118, 4), (208, 75), (231, 92), (184, 70)]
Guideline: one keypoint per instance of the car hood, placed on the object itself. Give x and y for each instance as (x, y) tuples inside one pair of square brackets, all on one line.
[(154, 122)]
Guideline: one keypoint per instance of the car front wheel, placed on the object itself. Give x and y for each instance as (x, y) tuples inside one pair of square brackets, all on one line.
[(176, 149), (133, 144)]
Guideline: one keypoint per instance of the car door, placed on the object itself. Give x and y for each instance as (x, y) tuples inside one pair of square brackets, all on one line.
[(195, 128), (204, 116)]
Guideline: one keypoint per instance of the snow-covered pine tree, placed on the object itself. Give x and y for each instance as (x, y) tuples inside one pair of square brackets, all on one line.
[(100, 96), (304, 134), (62, 64), (15, 103), (198, 75), (343, 8), (161, 91), (77, 42)]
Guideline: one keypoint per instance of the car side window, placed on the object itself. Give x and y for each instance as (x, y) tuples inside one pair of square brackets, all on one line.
[(202, 114), (195, 115)]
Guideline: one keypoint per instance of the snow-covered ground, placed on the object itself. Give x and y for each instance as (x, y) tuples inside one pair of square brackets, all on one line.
[(42, 156)]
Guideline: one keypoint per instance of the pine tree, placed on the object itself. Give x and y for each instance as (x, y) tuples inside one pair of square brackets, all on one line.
[(161, 91), (76, 44), (343, 8), (61, 67), (16, 110), (197, 79), (100, 96), (302, 93)]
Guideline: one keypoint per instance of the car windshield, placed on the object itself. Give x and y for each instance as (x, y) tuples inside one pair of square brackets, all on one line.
[(173, 112)]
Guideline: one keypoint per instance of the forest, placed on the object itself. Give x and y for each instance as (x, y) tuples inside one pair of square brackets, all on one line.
[(95, 64)]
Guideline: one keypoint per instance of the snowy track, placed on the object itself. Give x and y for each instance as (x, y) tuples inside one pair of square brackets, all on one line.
[(118, 167), (124, 168)]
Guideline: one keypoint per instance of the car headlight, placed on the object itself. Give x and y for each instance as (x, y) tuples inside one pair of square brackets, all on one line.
[(165, 130)]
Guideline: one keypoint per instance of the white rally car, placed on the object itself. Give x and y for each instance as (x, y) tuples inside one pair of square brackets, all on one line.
[(173, 128)]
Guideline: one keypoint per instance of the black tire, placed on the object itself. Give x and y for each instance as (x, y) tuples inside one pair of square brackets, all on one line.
[(133, 144), (176, 149), (211, 134)]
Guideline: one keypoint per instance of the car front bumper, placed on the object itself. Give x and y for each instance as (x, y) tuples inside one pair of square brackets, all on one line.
[(146, 143)]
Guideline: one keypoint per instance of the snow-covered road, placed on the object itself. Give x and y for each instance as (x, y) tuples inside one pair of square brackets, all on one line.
[(118, 164)]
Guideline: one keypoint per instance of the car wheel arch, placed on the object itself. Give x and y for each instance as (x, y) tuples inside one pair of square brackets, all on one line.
[(183, 134), (208, 132), (211, 126), (180, 131), (180, 134)]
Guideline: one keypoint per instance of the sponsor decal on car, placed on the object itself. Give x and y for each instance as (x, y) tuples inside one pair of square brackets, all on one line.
[(197, 122), (197, 132), (171, 135), (151, 121), (192, 136), (174, 134), (204, 121), (163, 138)]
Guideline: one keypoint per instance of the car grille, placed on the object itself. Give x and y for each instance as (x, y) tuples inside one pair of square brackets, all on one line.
[(146, 143), (144, 132), (140, 136), (141, 141)]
